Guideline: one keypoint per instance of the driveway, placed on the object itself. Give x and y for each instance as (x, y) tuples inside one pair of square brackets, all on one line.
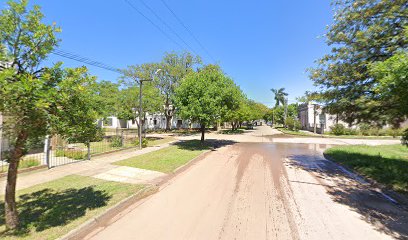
[(261, 190)]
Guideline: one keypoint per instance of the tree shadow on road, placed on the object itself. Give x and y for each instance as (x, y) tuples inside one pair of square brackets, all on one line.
[(47, 208), (357, 193)]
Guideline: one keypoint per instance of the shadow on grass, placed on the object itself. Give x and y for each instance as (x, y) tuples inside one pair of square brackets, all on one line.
[(393, 172), (196, 145), (47, 208), (232, 132), (355, 192)]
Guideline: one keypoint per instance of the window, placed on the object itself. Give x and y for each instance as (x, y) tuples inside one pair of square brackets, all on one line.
[(154, 122)]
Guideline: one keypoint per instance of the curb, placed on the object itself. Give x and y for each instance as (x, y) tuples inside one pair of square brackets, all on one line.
[(376, 187), (82, 230), (24, 170)]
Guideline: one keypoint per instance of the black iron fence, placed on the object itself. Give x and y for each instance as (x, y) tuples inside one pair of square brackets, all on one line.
[(56, 151)]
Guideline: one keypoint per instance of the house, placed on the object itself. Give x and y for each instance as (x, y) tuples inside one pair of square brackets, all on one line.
[(324, 120), (152, 121)]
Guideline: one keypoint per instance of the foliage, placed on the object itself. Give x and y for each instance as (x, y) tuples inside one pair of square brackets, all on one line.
[(29, 162), (392, 75), (364, 129), (38, 100), (279, 97), (145, 142), (279, 113), (76, 154), (127, 107), (404, 139), (386, 164), (116, 141), (338, 129), (158, 94), (363, 32), (292, 124), (204, 96)]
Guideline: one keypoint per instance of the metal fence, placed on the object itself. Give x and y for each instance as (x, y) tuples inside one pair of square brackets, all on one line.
[(56, 151)]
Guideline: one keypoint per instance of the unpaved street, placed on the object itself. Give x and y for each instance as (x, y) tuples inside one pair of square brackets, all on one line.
[(261, 191)]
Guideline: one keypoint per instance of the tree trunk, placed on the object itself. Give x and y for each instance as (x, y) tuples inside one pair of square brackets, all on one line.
[(11, 213), (168, 122), (233, 126), (202, 132)]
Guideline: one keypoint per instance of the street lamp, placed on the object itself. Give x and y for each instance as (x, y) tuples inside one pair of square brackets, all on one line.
[(140, 105)]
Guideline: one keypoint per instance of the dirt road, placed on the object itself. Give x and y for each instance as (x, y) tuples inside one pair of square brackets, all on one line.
[(261, 191)]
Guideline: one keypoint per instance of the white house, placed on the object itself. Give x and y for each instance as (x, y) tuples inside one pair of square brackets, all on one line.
[(152, 121), (323, 120)]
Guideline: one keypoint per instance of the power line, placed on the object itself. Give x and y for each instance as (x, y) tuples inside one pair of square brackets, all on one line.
[(85, 60), (187, 29), (170, 28), (154, 24)]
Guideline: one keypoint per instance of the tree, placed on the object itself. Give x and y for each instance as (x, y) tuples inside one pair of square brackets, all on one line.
[(237, 110), (280, 95), (201, 96), (37, 101), (76, 106), (392, 75), (128, 97), (174, 67), (363, 32)]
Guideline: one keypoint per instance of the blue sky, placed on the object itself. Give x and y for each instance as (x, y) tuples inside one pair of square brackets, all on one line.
[(260, 44)]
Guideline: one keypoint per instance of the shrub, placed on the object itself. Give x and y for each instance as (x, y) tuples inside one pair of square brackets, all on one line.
[(394, 132), (292, 124), (338, 129), (374, 131), (351, 131), (116, 141), (29, 162), (76, 154), (297, 125), (404, 139), (364, 129), (144, 142)]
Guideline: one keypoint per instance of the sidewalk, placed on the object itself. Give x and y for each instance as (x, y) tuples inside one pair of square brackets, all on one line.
[(99, 166)]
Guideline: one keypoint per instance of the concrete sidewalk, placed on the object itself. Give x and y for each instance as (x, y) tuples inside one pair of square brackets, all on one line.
[(99, 166)]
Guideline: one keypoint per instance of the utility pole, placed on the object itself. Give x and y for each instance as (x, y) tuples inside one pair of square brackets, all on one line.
[(286, 111), (140, 106), (141, 110)]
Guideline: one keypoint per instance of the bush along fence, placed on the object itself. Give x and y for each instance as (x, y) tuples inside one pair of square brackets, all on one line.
[(56, 151)]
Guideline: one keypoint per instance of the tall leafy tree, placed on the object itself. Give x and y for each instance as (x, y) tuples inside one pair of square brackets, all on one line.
[(363, 32), (174, 67), (128, 98), (202, 96), (36, 101)]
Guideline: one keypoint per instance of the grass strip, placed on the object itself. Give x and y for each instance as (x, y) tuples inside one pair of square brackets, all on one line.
[(168, 159), (52, 209), (386, 164)]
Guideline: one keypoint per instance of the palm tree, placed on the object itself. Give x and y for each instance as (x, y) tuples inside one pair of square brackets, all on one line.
[(280, 95)]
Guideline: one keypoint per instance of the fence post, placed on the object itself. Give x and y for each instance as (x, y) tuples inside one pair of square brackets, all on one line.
[(47, 151), (121, 138)]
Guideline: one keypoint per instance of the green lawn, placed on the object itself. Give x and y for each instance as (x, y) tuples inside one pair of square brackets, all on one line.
[(50, 210), (386, 164), (307, 134), (167, 159)]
